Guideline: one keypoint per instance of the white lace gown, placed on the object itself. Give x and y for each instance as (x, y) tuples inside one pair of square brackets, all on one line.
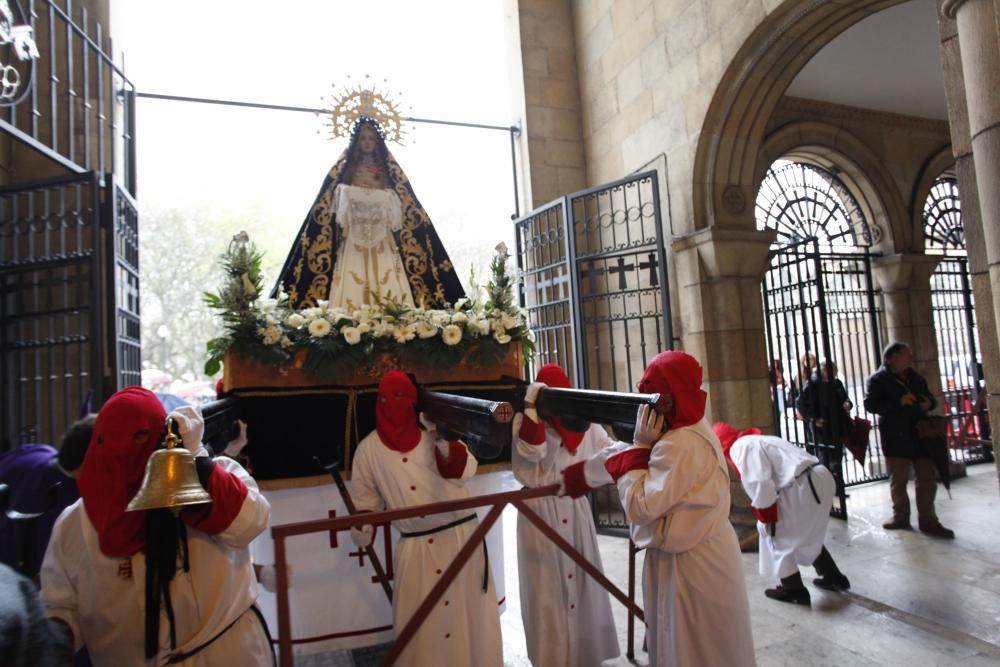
[(368, 265)]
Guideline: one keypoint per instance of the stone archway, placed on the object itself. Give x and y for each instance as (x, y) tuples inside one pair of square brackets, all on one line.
[(726, 160)]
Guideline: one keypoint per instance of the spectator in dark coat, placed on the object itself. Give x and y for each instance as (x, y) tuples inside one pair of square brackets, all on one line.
[(824, 404), (900, 396)]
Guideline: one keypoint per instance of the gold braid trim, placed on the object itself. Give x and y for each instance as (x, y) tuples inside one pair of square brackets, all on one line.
[(317, 251)]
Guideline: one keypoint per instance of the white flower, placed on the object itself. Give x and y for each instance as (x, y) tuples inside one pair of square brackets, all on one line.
[(478, 326), (311, 313), (296, 321), (498, 326), (322, 303), (384, 329), (286, 342), (248, 287), (270, 335), (266, 305), (461, 302), (405, 333), (270, 319), (352, 335), (451, 335), (338, 314), (501, 338), (425, 330), (502, 248), (319, 328), (459, 318), (364, 327), (508, 321), (439, 318)]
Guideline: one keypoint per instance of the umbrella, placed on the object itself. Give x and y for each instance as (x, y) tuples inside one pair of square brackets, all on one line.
[(933, 433)]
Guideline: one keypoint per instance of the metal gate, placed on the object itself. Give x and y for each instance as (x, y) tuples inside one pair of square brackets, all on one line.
[(595, 290), (959, 355), (68, 302), (823, 305)]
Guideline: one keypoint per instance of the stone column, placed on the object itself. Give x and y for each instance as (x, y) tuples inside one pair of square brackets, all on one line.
[(905, 280), (978, 68), (719, 274)]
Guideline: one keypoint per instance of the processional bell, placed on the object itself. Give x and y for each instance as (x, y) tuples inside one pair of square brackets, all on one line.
[(171, 479)]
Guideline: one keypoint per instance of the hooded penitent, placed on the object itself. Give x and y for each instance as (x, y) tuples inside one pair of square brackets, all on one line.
[(728, 435), (554, 376), (677, 375), (113, 468), (396, 412)]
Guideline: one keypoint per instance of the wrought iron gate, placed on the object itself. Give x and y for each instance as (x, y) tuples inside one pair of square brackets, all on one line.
[(68, 301), (595, 290), (823, 304)]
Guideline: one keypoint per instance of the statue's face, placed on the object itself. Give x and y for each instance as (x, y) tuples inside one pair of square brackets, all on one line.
[(367, 140)]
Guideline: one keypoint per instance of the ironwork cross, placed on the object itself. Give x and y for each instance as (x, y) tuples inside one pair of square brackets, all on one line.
[(621, 268), (652, 265), (591, 273)]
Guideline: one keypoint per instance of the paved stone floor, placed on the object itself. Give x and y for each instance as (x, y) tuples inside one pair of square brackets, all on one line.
[(915, 600)]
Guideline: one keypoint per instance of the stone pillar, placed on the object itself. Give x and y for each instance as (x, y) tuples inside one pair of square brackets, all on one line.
[(905, 280), (978, 69), (719, 274)]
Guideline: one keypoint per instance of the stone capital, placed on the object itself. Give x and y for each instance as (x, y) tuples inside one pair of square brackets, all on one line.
[(727, 253), (904, 271), (949, 8)]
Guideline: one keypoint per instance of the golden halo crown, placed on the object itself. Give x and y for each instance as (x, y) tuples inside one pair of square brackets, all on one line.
[(352, 104)]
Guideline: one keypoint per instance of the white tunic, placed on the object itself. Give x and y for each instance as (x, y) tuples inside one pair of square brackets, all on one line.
[(567, 615), (696, 606), (368, 265), (103, 599), (773, 470), (464, 628)]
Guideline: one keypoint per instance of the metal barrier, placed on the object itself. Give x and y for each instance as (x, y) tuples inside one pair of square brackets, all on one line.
[(497, 501)]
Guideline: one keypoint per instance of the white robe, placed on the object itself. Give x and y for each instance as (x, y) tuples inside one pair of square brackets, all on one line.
[(696, 606), (368, 265), (567, 615), (106, 609), (464, 628), (773, 470)]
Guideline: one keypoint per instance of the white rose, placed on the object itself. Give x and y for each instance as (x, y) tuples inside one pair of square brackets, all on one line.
[(268, 304), (501, 338), (459, 318), (405, 333), (483, 326), (322, 303), (352, 335), (295, 320), (319, 328), (311, 313), (384, 329), (425, 330), (451, 335), (364, 327)]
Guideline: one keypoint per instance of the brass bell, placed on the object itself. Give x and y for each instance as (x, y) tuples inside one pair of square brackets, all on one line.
[(171, 479)]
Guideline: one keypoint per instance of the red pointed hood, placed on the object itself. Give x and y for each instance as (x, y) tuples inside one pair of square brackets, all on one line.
[(554, 376), (728, 435), (114, 466), (396, 412), (678, 375)]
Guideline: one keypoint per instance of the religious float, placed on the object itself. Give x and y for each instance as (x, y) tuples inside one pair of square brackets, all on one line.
[(367, 287)]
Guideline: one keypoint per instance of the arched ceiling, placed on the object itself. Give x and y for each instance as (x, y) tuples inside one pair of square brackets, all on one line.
[(889, 61)]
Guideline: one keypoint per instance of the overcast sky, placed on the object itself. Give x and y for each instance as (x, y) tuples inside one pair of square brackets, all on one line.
[(446, 59)]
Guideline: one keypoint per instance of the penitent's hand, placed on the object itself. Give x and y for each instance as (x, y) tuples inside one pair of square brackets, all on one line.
[(530, 396), (649, 425)]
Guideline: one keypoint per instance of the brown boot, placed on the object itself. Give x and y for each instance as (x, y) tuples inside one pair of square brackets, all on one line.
[(937, 530), (897, 524)]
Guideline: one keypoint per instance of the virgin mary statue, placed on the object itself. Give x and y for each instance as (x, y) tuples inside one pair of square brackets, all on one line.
[(366, 237)]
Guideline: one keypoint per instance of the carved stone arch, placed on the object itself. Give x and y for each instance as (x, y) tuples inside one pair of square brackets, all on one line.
[(857, 167), (941, 163), (745, 99)]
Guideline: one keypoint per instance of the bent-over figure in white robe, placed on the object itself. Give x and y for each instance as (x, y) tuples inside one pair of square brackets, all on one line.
[(773, 470), (102, 599), (464, 627), (696, 606), (567, 615)]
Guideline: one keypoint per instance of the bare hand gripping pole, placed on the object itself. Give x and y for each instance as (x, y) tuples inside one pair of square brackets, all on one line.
[(334, 470)]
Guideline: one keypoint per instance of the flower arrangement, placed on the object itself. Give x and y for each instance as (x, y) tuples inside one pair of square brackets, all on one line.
[(338, 342)]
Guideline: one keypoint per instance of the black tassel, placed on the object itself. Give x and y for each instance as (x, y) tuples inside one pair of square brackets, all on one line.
[(166, 539)]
